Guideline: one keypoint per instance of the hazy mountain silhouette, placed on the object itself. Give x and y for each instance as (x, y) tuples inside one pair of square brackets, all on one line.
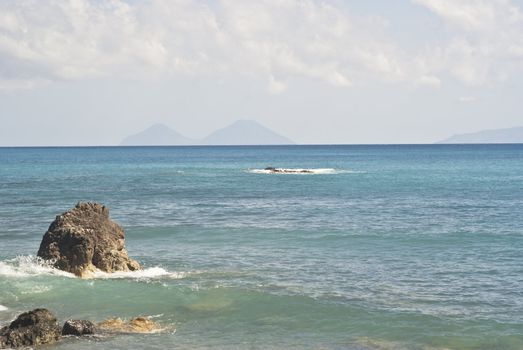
[(241, 132), (156, 135), (510, 135), (245, 132)]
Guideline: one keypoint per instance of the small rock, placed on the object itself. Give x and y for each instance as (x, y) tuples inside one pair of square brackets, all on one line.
[(34, 327), (78, 327)]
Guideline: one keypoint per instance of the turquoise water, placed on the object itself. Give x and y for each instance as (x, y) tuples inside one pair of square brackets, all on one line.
[(385, 247)]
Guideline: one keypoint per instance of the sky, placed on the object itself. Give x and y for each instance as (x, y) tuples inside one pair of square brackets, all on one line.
[(91, 72)]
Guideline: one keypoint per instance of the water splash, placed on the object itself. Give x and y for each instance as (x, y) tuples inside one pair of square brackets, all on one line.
[(303, 171), (149, 273), (30, 265)]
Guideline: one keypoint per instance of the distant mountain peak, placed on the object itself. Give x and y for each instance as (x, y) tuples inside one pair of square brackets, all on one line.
[(508, 135), (240, 132), (245, 132), (156, 135)]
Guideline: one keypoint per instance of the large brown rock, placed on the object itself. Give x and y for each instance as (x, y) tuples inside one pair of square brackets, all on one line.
[(84, 239), (34, 327)]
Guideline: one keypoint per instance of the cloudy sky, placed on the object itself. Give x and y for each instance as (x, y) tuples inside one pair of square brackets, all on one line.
[(89, 72)]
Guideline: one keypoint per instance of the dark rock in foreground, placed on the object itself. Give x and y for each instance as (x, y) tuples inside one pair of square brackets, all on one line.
[(34, 327), (84, 239), (39, 326), (78, 327)]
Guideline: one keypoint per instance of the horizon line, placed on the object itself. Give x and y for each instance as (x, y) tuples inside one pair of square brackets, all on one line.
[(266, 145)]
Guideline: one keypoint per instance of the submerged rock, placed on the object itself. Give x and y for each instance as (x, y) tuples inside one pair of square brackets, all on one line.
[(39, 326), (34, 327), (78, 327), (134, 325), (84, 239), (288, 171)]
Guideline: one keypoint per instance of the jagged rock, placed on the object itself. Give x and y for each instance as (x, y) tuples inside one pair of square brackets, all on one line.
[(78, 327), (84, 239), (134, 325), (34, 327)]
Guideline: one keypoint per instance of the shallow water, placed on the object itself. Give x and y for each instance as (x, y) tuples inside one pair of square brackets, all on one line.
[(382, 247)]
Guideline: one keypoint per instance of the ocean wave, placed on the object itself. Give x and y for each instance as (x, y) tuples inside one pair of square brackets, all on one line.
[(26, 266), (148, 273), (378, 344), (3, 308), (141, 324), (303, 171), (367, 343), (36, 289)]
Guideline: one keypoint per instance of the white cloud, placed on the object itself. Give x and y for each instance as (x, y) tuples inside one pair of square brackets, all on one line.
[(429, 80), (487, 42), (467, 99), (338, 79), (275, 86), (156, 39), (77, 39), (476, 15)]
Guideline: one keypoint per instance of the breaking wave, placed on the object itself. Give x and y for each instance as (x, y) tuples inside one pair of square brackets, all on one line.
[(148, 273), (27, 266), (303, 171), (3, 308)]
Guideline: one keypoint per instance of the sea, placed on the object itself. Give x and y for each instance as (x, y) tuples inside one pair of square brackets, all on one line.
[(372, 247)]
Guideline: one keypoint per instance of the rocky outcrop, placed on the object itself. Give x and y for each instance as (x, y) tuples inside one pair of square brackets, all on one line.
[(84, 239), (288, 171), (39, 326), (78, 328), (34, 327)]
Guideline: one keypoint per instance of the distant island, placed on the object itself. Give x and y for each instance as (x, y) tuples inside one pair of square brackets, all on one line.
[(509, 135), (241, 132), (158, 135)]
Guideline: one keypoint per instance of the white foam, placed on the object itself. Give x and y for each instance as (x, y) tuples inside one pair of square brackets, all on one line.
[(25, 266), (149, 273), (28, 266), (36, 289), (304, 171), (3, 308), (301, 171)]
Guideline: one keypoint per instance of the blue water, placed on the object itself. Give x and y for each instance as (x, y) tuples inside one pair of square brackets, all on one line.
[(394, 247)]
